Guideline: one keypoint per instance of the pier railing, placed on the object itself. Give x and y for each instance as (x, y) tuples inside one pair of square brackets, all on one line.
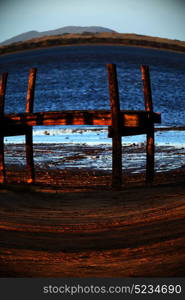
[(120, 123)]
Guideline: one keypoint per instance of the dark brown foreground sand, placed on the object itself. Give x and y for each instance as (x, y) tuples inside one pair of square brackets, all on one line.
[(72, 224)]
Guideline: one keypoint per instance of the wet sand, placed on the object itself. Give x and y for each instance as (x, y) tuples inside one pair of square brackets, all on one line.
[(72, 224), (97, 158)]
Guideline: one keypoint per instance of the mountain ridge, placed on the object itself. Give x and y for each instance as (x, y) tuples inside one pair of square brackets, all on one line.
[(59, 31)]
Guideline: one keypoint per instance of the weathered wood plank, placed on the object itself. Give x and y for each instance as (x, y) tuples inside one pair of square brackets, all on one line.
[(3, 83), (116, 125), (150, 146), (28, 131), (11, 129), (103, 117), (128, 131), (147, 88), (31, 90), (2, 165), (29, 156)]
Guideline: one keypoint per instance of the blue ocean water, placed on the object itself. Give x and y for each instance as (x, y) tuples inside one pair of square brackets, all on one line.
[(75, 77)]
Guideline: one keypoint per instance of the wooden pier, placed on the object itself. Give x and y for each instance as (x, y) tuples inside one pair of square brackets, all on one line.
[(120, 123)]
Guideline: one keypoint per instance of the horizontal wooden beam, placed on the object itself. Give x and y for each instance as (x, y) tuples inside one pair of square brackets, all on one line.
[(128, 131), (75, 117), (14, 130)]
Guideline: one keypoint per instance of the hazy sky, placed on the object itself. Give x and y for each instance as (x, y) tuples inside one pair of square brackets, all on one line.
[(165, 18)]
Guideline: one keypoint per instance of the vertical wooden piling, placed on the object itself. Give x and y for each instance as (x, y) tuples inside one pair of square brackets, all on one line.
[(3, 82), (150, 147), (115, 115), (29, 156), (29, 133), (31, 90)]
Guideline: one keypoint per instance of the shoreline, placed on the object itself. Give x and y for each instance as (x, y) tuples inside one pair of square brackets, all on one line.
[(90, 159), (68, 179), (94, 44)]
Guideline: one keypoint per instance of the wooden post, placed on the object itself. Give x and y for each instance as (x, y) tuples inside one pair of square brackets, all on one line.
[(29, 156), (29, 133), (115, 115), (31, 90), (150, 147), (3, 82)]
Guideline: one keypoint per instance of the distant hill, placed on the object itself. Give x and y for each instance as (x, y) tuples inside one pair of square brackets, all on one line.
[(60, 31)]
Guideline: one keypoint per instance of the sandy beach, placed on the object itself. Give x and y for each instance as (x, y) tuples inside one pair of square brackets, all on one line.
[(71, 223)]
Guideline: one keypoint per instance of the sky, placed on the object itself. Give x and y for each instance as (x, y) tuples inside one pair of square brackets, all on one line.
[(163, 18)]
